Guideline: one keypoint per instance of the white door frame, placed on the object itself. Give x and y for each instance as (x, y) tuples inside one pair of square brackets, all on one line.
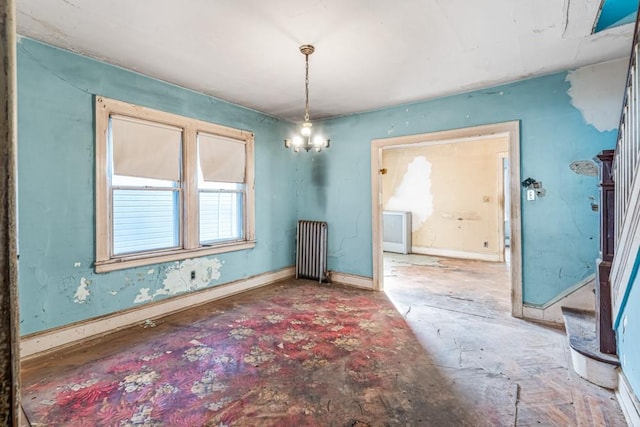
[(501, 200), (509, 129)]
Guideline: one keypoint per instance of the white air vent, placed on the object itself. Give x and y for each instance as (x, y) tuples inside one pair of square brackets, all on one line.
[(396, 234)]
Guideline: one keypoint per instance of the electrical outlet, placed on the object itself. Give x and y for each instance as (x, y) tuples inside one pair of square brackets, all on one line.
[(193, 275), (531, 195), (486, 244)]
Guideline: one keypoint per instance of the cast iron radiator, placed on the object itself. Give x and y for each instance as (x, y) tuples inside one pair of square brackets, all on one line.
[(311, 250)]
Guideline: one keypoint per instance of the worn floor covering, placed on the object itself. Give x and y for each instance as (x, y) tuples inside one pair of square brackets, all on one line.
[(459, 311), (300, 354)]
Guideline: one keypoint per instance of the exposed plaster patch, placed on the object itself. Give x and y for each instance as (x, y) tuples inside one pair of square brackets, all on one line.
[(414, 193), (113, 292), (151, 271), (179, 278), (584, 167), (77, 264), (143, 296), (597, 92), (82, 293)]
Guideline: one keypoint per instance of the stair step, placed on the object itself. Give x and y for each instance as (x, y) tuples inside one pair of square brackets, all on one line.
[(581, 329), (587, 359)]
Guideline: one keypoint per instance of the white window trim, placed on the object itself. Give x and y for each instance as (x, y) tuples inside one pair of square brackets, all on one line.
[(105, 260)]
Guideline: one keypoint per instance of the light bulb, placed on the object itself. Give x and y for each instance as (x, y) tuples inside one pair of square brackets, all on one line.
[(297, 141), (318, 141), (306, 129)]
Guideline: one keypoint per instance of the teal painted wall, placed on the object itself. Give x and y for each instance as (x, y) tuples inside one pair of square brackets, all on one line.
[(56, 181), (56, 185), (628, 332), (560, 231)]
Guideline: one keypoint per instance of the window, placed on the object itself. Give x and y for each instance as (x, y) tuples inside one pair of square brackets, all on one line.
[(169, 187), (220, 188)]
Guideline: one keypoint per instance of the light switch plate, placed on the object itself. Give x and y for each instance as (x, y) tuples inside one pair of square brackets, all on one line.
[(531, 195)]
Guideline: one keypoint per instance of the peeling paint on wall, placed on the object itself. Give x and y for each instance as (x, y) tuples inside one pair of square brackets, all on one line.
[(584, 167), (77, 264), (185, 276), (50, 247), (143, 296), (597, 91), (82, 293), (414, 193)]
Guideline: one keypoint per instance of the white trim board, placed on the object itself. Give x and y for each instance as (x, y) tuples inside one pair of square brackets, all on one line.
[(580, 296), (600, 373), (352, 280), (44, 342), (450, 253), (628, 401)]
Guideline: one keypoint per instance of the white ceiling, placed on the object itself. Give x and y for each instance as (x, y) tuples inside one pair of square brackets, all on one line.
[(369, 53)]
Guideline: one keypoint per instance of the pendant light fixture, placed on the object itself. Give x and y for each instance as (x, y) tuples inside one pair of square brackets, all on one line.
[(305, 139)]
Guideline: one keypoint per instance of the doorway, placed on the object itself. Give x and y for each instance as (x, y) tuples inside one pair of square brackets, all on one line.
[(503, 243)]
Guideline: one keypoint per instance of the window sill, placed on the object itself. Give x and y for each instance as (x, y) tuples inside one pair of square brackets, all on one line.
[(131, 261)]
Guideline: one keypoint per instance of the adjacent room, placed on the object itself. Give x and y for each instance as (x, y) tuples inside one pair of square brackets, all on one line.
[(360, 213), (447, 199)]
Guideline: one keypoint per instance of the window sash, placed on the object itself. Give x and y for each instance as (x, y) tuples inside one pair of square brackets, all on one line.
[(149, 235), (230, 227)]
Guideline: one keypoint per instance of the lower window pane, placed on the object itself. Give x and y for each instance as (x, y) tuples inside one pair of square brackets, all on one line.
[(220, 216), (145, 220)]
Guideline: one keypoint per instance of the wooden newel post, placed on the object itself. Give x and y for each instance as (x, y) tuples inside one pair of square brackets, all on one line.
[(604, 326)]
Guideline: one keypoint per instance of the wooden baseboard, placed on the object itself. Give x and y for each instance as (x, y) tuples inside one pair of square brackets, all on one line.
[(352, 280), (43, 342), (628, 401), (580, 296), (448, 253)]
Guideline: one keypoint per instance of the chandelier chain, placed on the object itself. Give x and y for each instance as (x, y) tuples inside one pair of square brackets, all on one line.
[(306, 88)]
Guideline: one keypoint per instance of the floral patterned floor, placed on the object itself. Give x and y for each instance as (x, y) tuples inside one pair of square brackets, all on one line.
[(298, 354)]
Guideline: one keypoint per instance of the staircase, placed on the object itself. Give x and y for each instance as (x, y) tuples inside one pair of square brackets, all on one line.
[(591, 336)]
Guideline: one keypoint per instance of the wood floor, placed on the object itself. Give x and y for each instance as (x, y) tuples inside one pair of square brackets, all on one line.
[(459, 310), (474, 350)]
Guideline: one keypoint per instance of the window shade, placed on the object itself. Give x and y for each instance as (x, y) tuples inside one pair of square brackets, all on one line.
[(221, 159), (145, 149)]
